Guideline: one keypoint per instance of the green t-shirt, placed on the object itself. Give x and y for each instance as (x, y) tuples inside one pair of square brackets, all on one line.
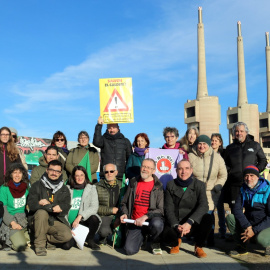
[(14, 206), (75, 205)]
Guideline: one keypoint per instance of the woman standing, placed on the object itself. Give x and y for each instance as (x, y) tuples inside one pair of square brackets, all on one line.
[(140, 144), (189, 139), (9, 152), (217, 143), (60, 141), (84, 206), (77, 154), (208, 167), (13, 194)]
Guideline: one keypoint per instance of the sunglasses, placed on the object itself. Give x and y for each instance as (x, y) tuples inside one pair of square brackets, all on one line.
[(59, 140), (14, 136), (109, 171)]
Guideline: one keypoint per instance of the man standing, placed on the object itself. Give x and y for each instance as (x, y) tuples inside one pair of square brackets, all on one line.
[(255, 220), (115, 148), (109, 190), (143, 201), (49, 203), (242, 152), (186, 209), (51, 153)]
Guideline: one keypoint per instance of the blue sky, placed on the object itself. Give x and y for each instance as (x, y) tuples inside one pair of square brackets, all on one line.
[(52, 54)]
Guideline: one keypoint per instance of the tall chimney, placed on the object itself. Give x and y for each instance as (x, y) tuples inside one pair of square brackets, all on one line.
[(267, 54), (202, 83), (242, 90)]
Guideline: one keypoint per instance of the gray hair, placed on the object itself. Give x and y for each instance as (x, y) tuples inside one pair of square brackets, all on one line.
[(184, 159), (104, 166), (170, 130), (150, 159), (239, 124)]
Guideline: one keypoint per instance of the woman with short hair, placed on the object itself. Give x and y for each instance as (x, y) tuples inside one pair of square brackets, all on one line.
[(76, 155), (14, 194)]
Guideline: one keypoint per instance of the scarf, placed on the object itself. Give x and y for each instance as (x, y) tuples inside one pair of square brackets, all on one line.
[(17, 192), (177, 145), (139, 151), (79, 186), (183, 183), (54, 185)]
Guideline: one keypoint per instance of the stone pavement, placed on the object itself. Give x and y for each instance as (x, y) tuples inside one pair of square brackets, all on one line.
[(111, 259)]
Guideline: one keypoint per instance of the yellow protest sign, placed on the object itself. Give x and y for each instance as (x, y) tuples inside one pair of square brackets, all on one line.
[(116, 100)]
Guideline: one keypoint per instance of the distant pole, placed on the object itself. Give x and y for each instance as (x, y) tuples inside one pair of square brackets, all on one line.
[(267, 54), (242, 91), (202, 83)]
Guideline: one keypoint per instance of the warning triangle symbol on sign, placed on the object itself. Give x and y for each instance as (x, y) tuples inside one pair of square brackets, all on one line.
[(116, 103)]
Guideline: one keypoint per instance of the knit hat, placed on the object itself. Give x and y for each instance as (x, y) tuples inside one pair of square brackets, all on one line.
[(13, 130), (251, 169), (205, 139)]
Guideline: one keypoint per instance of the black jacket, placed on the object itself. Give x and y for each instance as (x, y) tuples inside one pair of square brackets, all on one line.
[(237, 156), (62, 198), (115, 149), (156, 203), (182, 205)]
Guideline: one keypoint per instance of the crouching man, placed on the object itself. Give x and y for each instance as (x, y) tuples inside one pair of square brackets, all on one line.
[(255, 221), (49, 203), (186, 210), (143, 201)]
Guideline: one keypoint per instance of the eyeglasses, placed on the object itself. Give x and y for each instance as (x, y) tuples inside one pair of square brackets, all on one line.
[(4, 135), (56, 171), (112, 171), (147, 168), (59, 140), (14, 136)]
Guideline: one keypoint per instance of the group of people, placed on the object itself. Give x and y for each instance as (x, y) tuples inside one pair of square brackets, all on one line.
[(63, 192)]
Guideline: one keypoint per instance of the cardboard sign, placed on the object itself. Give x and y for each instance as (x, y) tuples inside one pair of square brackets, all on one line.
[(116, 100)]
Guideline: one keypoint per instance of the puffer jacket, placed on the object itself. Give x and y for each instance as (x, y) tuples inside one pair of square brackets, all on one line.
[(115, 149), (76, 155), (218, 176), (257, 211), (38, 171), (107, 197), (237, 156)]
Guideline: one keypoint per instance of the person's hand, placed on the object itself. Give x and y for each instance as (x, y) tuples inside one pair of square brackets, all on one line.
[(146, 150), (139, 221), (43, 202), (100, 120), (122, 218), (184, 229), (247, 234), (76, 222), (115, 210), (15, 225), (181, 151), (57, 209)]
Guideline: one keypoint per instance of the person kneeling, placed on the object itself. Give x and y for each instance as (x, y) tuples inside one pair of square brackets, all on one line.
[(186, 209), (49, 203), (255, 221), (143, 201)]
